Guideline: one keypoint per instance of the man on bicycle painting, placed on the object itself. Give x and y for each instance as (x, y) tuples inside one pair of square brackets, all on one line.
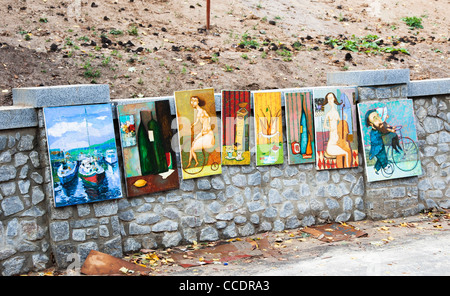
[(380, 128)]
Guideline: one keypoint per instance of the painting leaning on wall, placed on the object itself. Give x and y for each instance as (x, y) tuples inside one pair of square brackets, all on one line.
[(82, 153)]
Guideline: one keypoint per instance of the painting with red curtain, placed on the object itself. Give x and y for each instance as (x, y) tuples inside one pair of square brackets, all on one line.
[(235, 127)]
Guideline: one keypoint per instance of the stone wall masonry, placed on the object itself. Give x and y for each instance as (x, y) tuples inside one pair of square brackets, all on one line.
[(24, 239), (433, 129), (242, 201)]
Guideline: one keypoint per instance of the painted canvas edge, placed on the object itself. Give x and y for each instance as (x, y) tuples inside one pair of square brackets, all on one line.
[(362, 140), (48, 154)]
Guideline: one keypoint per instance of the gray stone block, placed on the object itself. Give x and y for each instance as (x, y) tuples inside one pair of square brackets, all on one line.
[(59, 231), (369, 77), (63, 95), (429, 87), (209, 234), (12, 205), (16, 117)]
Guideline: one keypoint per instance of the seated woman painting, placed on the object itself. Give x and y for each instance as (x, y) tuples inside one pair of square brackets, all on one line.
[(205, 139), (337, 146)]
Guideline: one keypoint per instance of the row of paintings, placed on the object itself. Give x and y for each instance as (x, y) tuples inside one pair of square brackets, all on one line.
[(321, 128)]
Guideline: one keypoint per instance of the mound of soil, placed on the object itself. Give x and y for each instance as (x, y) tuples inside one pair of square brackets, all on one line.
[(147, 48)]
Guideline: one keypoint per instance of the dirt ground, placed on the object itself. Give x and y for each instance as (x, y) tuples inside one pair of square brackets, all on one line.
[(148, 48)]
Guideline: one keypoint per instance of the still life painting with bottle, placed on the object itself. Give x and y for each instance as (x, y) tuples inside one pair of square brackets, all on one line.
[(149, 161)]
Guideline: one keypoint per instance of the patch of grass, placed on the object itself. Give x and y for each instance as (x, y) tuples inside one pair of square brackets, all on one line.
[(84, 38), (133, 31), (297, 45), (22, 32), (106, 60), (116, 32), (413, 22), (367, 44), (228, 68), (90, 71), (214, 57), (69, 42), (43, 20), (248, 41), (286, 54)]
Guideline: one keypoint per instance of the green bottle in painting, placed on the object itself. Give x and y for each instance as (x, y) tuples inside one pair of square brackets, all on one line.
[(146, 151), (156, 139)]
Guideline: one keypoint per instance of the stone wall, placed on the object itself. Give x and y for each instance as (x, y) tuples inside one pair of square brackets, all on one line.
[(24, 238), (242, 201)]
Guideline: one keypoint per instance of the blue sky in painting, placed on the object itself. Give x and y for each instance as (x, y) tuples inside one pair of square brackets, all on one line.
[(67, 126)]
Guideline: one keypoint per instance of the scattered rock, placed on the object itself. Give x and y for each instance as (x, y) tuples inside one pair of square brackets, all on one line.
[(53, 47)]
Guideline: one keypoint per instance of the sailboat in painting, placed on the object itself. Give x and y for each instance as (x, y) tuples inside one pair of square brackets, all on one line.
[(90, 171), (110, 156), (67, 171)]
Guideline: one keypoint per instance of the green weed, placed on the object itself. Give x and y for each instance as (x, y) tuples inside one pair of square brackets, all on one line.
[(133, 31), (367, 44), (117, 32), (248, 41), (286, 54), (413, 22)]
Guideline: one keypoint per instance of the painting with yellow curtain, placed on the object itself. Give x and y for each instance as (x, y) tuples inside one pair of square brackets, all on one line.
[(268, 124), (198, 133)]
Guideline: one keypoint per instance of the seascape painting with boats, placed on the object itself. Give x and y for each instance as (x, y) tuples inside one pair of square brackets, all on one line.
[(83, 154)]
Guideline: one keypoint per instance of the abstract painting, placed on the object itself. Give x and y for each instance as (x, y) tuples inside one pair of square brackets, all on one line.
[(83, 154), (235, 127), (198, 133), (299, 127), (389, 139), (335, 128), (148, 158), (269, 130)]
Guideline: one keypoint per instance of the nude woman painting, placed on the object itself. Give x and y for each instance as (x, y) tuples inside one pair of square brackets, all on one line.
[(335, 128), (198, 133)]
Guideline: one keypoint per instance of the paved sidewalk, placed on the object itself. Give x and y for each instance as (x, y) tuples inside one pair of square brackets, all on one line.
[(417, 245)]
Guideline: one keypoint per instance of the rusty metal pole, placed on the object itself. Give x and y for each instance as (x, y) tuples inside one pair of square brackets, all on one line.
[(208, 12)]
